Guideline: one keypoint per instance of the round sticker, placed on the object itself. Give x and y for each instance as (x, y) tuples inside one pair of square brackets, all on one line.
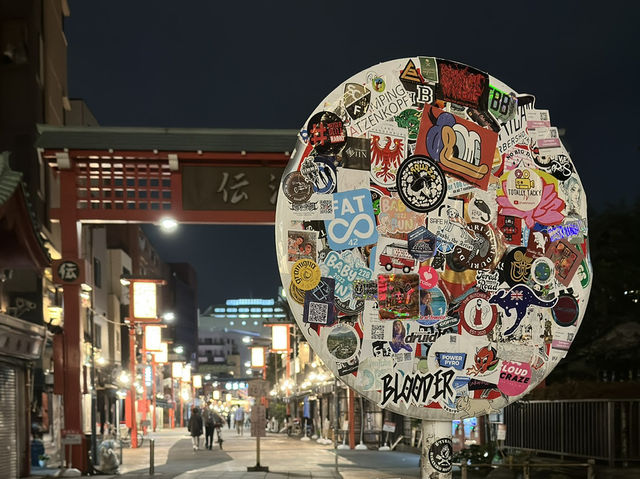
[(542, 270), (480, 251), (326, 132), (305, 274), (516, 266), (440, 454), (524, 188), (350, 306), (514, 378), (342, 342), (565, 312), (296, 293), (421, 184), (296, 188), (477, 316)]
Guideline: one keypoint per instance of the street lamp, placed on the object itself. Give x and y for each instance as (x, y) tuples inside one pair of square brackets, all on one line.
[(168, 225)]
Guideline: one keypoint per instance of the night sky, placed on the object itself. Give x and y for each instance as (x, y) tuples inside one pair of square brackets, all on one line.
[(254, 65)]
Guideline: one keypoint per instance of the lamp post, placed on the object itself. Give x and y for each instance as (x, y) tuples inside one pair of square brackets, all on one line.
[(142, 309), (176, 373)]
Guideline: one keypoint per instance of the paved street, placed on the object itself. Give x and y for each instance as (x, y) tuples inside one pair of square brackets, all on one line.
[(291, 457)]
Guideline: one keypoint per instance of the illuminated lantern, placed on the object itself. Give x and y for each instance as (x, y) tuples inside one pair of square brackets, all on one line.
[(144, 300), (153, 338), (280, 337)]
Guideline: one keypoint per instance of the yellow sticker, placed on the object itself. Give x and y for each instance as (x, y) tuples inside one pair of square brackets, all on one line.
[(305, 274), (296, 293)]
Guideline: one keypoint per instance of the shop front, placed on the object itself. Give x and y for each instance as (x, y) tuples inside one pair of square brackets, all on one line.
[(21, 343)]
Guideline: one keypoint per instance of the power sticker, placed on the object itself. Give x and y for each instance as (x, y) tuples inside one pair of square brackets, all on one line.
[(305, 274)]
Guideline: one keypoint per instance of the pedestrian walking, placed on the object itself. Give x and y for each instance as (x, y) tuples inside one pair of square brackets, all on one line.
[(195, 427), (228, 420), (212, 422), (239, 420)]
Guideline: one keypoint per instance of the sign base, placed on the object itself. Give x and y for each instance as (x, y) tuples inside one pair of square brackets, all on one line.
[(258, 468)]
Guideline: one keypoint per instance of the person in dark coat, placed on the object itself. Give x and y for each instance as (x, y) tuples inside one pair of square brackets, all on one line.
[(195, 427)]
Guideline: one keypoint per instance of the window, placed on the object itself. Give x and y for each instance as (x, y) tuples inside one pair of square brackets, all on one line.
[(97, 273), (97, 341)]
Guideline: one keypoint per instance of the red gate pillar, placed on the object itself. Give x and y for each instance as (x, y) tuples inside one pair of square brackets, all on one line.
[(70, 230)]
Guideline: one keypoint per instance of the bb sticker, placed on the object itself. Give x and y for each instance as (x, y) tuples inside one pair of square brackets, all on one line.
[(354, 224), (477, 316), (296, 187), (514, 378), (305, 274), (421, 184), (326, 132), (441, 454), (483, 248)]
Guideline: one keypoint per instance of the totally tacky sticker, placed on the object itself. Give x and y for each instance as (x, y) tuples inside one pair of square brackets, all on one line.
[(421, 184)]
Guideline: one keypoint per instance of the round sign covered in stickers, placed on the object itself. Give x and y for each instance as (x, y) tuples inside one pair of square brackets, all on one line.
[(444, 257)]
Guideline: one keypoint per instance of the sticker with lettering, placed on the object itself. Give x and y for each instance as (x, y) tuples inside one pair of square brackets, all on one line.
[(356, 99), (462, 84), (417, 389), (356, 154), (296, 187), (396, 217), (354, 223), (345, 268), (421, 184), (477, 316), (422, 243), (482, 253), (441, 455), (326, 132), (305, 274), (433, 306), (514, 378)]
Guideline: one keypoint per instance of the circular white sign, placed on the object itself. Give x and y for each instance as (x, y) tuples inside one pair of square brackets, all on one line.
[(427, 165)]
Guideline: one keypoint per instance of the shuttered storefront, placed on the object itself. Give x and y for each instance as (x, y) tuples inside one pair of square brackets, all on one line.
[(8, 422)]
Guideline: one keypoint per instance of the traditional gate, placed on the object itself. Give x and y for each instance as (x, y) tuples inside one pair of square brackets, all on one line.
[(143, 175)]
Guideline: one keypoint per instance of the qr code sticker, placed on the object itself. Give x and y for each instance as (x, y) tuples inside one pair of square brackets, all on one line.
[(318, 313), (377, 331), (326, 206)]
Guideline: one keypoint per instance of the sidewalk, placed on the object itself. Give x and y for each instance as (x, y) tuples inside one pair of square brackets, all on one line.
[(292, 457)]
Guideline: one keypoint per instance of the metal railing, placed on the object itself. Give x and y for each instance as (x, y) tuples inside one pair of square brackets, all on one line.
[(527, 466), (602, 429)]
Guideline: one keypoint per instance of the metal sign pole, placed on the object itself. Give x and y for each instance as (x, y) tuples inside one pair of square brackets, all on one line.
[(437, 449)]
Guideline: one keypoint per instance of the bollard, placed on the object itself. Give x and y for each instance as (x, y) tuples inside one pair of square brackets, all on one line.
[(152, 445), (121, 457), (590, 467), (526, 470), (463, 470)]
